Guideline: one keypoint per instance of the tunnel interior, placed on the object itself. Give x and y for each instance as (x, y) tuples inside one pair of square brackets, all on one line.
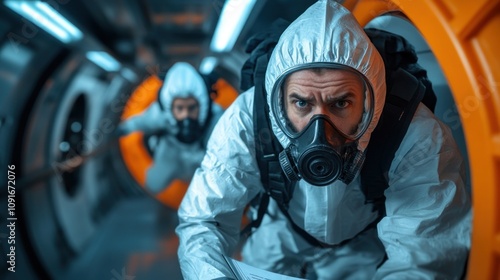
[(76, 211)]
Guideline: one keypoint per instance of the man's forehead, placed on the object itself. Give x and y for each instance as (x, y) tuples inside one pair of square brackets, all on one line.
[(183, 100), (322, 77), (350, 86), (323, 72)]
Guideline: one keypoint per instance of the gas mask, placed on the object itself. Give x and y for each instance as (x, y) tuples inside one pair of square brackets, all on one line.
[(320, 155), (326, 148), (189, 130)]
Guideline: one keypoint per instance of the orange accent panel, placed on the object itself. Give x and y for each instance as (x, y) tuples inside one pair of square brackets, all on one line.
[(135, 156), (487, 73), (462, 36), (471, 16), (142, 97), (497, 244), (446, 9), (350, 4), (366, 10), (226, 93), (496, 145), (172, 196)]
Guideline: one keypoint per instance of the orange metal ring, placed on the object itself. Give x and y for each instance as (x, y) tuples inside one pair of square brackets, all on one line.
[(463, 37)]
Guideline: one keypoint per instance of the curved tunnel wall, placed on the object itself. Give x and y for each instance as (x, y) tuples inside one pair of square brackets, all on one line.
[(462, 36), (61, 215)]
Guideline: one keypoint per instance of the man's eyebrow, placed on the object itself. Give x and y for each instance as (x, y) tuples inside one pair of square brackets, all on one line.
[(341, 96), (298, 96)]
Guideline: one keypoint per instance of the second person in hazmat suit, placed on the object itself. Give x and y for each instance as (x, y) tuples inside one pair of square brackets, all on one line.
[(180, 122), (325, 82)]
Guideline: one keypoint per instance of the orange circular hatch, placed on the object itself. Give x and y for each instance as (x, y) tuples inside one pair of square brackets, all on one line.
[(463, 36)]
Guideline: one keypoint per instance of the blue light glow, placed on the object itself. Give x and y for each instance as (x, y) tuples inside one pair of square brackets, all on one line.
[(44, 16), (104, 60), (232, 19)]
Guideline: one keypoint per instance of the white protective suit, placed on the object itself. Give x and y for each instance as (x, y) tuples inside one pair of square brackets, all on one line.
[(174, 159), (426, 231)]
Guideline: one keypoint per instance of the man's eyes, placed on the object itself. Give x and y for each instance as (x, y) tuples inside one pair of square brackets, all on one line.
[(189, 108), (341, 104), (300, 103)]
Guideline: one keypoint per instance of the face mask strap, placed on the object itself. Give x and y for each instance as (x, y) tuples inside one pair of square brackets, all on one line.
[(353, 159)]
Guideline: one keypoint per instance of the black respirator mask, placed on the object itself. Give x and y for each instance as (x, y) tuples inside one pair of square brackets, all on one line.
[(189, 130), (326, 149), (320, 155)]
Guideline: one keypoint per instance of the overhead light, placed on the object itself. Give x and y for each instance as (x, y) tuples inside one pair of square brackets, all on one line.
[(104, 60), (231, 21), (46, 17), (208, 64)]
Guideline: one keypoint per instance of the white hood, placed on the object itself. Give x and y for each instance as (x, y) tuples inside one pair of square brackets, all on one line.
[(183, 81), (326, 34)]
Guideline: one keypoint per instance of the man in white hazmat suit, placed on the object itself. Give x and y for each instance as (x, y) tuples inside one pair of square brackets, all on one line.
[(181, 121), (325, 80)]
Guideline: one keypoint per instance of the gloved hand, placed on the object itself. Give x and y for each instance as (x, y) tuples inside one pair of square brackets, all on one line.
[(261, 43)]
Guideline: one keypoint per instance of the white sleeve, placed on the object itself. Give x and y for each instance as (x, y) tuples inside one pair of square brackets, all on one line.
[(211, 211), (426, 232), (149, 121)]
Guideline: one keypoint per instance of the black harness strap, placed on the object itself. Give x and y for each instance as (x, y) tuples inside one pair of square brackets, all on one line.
[(267, 148), (403, 97)]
